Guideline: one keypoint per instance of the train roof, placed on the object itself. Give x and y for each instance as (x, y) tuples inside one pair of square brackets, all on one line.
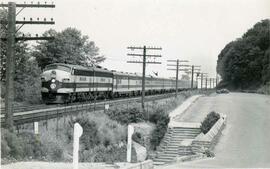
[(82, 67), (100, 69)]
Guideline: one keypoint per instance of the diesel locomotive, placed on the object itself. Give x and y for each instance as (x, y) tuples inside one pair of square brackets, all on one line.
[(63, 83)]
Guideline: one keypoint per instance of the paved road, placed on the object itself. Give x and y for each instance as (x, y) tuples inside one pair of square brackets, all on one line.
[(246, 138)]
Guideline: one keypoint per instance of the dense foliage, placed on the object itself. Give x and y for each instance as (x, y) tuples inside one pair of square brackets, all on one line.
[(245, 62), (161, 119), (103, 140), (26, 80), (25, 146), (69, 46), (209, 121), (126, 114)]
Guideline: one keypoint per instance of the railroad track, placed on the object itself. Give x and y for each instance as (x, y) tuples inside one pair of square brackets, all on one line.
[(56, 111), (18, 109)]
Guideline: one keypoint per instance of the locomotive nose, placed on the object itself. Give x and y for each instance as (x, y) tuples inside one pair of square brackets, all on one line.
[(53, 74)]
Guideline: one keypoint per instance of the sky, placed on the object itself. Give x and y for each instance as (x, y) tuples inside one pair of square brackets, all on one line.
[(194, 30)]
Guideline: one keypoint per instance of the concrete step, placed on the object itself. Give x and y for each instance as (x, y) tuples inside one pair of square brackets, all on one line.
[(183, 137), (167, 155), (173, 153), (164, 160), (185, 128), (184, 134), (164, 157), (172, 147), (158, 163)]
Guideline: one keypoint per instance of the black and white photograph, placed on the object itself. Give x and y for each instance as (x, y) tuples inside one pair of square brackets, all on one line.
[(135, 84)]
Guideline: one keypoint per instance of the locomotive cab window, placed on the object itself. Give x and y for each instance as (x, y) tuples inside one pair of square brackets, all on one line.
[(60, 67)]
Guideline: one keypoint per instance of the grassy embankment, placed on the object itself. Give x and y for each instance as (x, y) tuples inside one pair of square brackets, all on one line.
[(104, 137)]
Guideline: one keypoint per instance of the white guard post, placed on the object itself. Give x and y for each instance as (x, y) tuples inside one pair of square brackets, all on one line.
[(107, 106), (36, 127), (78, 130), (129, 144)]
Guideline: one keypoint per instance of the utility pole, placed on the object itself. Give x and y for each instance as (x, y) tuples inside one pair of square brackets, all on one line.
[(206, 82), (192, 74), (201, 80), (193, 69), (144, 62), (202, 74), (177, 71), (216, 80), (197, 77), (210, 79), (11, 39)]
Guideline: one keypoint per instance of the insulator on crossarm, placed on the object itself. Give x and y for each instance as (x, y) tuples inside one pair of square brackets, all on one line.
[(23, 34), (31, 19), (45, 3), (38, 3), (44, 19), (51, 19), (36, 35), (24, 18), (38, 19), (31, 2)]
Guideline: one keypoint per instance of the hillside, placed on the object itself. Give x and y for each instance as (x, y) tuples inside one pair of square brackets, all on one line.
[(245, 62)]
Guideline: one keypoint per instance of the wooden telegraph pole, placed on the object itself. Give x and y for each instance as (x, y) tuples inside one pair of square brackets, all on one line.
[(11, 40), (144, 62), (177, 69), (206, 82), (192, 73), (202, 74), (194, 69)]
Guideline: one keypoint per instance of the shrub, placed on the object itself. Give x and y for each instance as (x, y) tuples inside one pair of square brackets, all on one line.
[(209, 153), (126, 115), (137, 137), (157, 114), (90, 132), (14, 145), (32, 147), (110, 154), (209, 121), (161, 120), (26, 146), (100, 134)]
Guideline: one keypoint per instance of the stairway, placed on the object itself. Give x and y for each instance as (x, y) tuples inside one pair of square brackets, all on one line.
[(172, 145)]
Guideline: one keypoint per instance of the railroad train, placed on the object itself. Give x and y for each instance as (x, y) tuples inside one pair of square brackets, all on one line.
[(64, 83)]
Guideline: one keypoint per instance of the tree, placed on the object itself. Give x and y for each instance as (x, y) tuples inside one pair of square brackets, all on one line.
[(185, 77), (27, 73), (69, 46), (244, 63)]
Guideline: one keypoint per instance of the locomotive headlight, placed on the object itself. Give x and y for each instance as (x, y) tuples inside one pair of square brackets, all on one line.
[(53, 86), (53, 80)]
